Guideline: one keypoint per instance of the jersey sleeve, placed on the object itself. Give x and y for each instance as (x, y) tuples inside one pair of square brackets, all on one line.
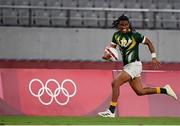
[(139, 37), (113, 42)]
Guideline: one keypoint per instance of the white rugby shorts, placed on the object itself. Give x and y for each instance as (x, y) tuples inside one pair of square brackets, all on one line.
[(134, 69)]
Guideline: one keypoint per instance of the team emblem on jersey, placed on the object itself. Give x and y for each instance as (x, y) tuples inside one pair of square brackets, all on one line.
[(124, 43)]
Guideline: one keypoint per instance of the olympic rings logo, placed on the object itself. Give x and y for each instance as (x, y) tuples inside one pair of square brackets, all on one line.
[(53, 94)]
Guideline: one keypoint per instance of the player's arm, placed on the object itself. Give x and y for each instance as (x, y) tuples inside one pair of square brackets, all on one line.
[(155, 61), (106, 55)]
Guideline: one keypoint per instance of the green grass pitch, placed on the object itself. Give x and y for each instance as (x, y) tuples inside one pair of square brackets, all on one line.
[(59, 120)]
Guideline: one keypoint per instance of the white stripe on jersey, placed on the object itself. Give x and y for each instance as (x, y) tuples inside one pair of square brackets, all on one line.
[(144, 39)]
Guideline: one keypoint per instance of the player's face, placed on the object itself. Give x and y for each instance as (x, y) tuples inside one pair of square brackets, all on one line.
[(123, 26)]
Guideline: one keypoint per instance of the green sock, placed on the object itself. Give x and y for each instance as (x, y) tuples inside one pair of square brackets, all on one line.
[(163, 91), (113, 106)]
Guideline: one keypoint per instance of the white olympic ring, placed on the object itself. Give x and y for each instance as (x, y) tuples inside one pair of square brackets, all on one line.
[(53, 95)]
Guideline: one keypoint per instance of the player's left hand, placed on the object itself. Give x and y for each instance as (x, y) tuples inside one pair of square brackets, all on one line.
[(156, 64)]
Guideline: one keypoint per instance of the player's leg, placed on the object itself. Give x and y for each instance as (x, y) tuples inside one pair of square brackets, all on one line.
[(122, 78), (136, 85)]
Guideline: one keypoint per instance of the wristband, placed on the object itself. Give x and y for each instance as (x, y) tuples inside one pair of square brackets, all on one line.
[(153, 55)]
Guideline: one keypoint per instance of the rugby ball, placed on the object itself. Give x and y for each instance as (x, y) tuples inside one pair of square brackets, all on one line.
[(113, 53)]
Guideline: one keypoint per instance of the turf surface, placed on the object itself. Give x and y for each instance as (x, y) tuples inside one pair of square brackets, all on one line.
[(55, 120)]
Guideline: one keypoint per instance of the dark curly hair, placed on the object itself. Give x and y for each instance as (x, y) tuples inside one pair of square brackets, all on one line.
[(122, 18)]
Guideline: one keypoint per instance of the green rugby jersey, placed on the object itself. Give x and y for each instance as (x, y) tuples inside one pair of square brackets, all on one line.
[(128, 45)]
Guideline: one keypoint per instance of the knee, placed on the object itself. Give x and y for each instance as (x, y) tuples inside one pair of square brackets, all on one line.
[(140, 92)]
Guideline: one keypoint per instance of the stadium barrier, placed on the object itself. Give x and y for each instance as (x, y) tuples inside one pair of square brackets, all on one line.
[(78, 64), (81, 92)]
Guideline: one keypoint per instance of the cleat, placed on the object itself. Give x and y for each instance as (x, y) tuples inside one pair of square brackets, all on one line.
[(107, 113), (170, 92)]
